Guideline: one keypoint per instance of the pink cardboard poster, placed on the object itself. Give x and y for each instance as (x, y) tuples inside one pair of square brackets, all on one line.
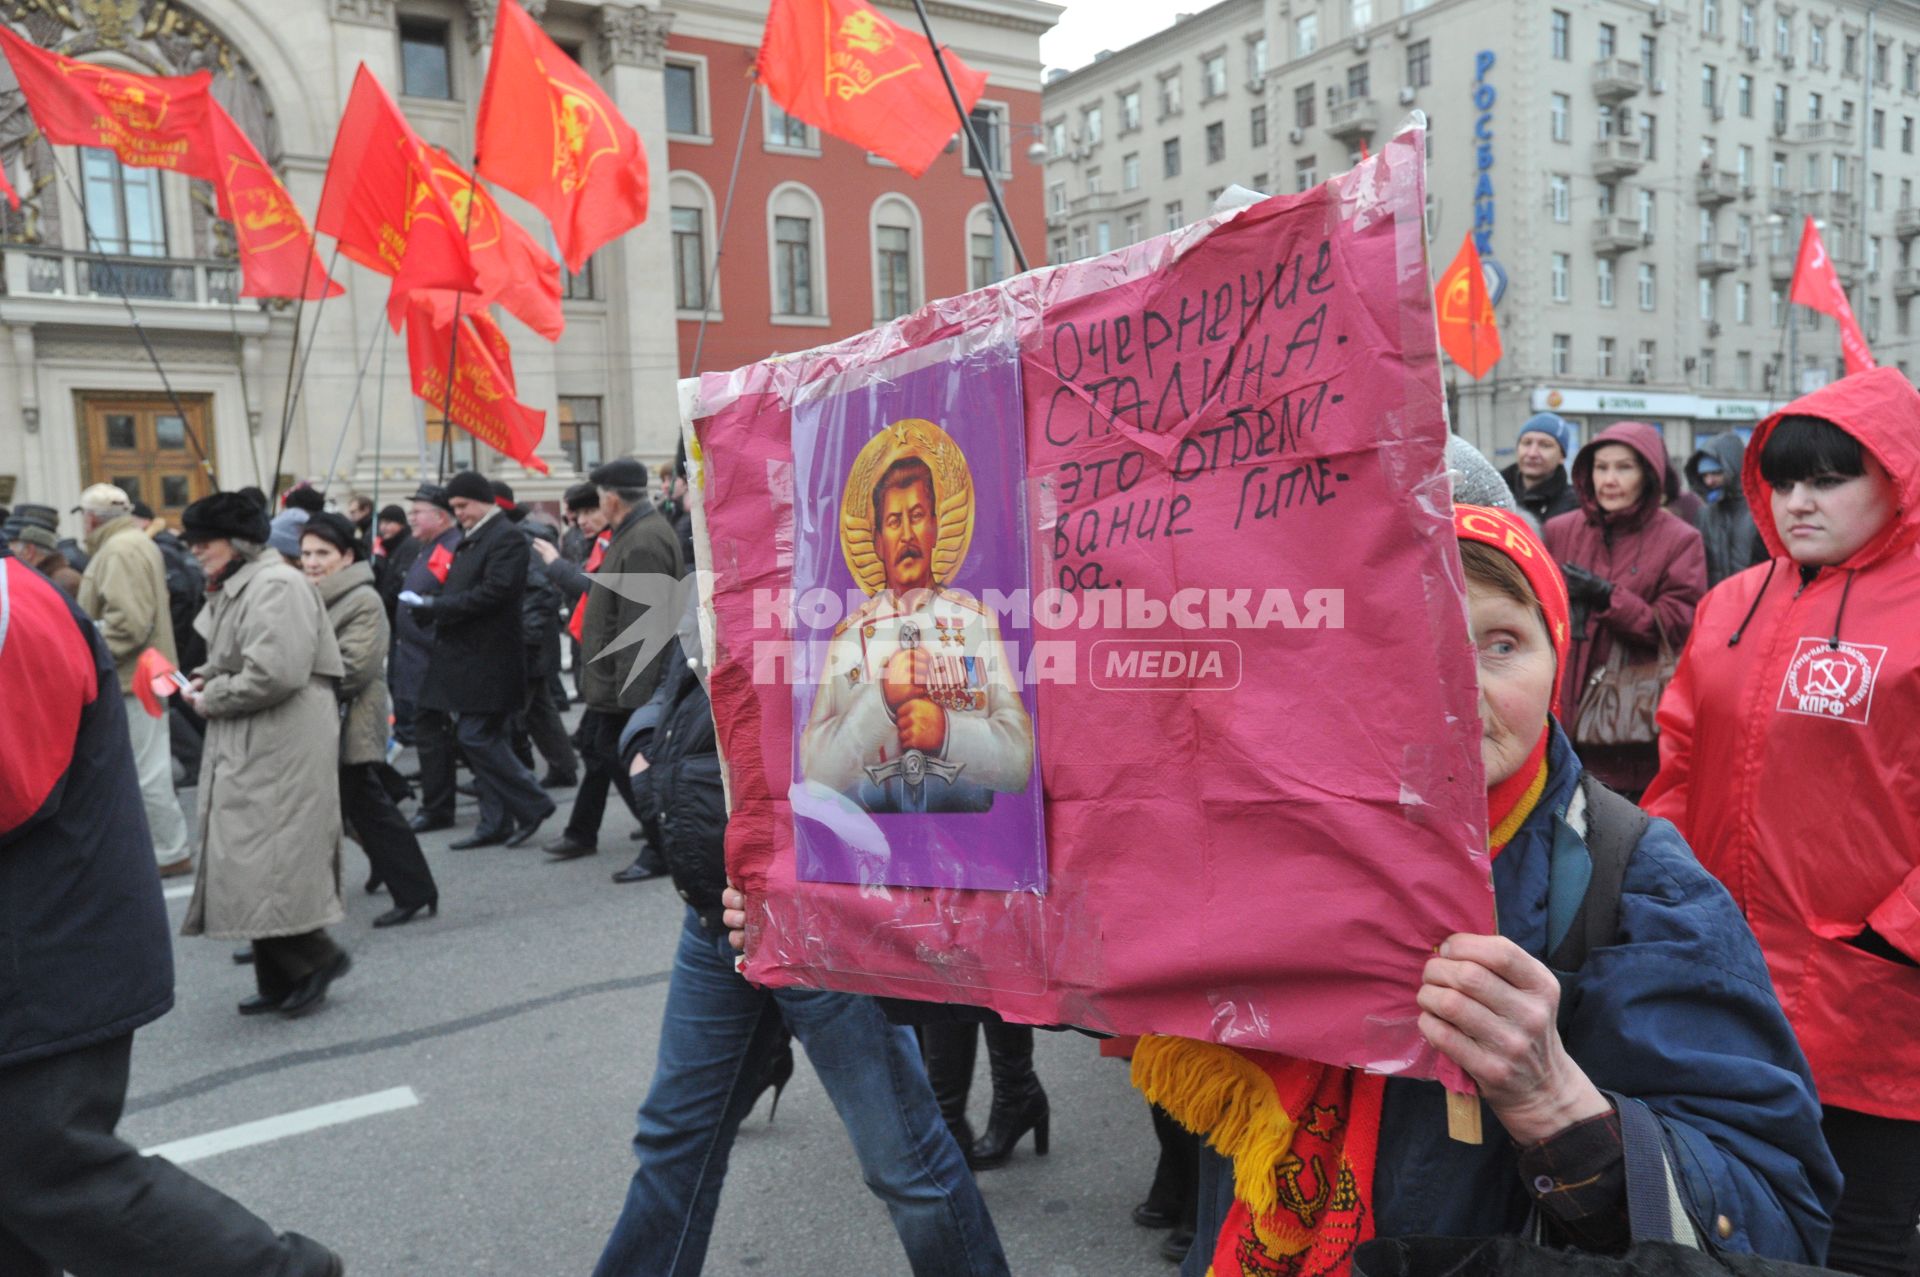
[(1244, 645)]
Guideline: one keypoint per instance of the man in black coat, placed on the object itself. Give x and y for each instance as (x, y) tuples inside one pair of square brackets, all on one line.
[(478, 668), (88, 961), (538, 725), (643, 544), (429, 731)]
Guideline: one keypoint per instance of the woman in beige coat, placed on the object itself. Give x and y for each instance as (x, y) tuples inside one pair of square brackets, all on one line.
[(269, 795), (330, 555)]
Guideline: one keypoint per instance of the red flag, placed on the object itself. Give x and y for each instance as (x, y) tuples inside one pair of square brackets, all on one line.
[(509, 265), (483, 404), (843, 68), (1816, 284), (6, 189), (381, 203), (1468, 331), (149, 121), (276, 248), (586, 171)]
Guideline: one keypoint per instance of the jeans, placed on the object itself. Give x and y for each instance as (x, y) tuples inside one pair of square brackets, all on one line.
[(75, 1197), (717, 1037), (1873, 1227)]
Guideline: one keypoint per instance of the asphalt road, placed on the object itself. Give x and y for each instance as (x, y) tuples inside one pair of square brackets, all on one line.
[(484, 1067)]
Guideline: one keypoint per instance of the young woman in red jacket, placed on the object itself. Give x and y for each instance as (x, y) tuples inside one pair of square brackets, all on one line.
[(1788, 759)]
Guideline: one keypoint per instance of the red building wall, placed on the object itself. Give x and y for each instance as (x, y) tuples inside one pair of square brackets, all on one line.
[(847, 185)]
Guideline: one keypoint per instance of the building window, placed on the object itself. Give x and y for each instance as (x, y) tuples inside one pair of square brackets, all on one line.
[(1257, 120), (1306, 34), (1706, 299), (1646, 285), (1562, 36), (1130, 172), (1743, 233), (1742, 302), (1743, 96), (1646, 212), (683, 99), (1776, 308), (1609, 36), (1780, 108), (1170, 95), (1056, 138), (1057, 198), (1604, 279), (1303, 106), (1906, 135), (1561, 197), (1561, 274), (985, 258), (1257, 59), (426, 66), (1562, 354), (1709, 88), (1849, 54), (1103, 237), (1707, 370), (1090, 128), (1216, 142), (1130, 111), (793, 262), (1643, 359), (584, 287), (1783, 35), (1743, 370), (892, 272), (1134, 226), (1176, 215), (989, 125), (1749, 26), (1561, 114), (122, 205), (1359, 79), (1879, 129), (1603, 358), (1170, 157), (689, 259), (1817, 45), (1094, 183), (1080, 247), (1213, 76), (1419, 64), (1305, 177), (1816, 106), (1359, 14), (1710, 17), (580, 431), (1649, 55), (786, 131), (1649, 137)]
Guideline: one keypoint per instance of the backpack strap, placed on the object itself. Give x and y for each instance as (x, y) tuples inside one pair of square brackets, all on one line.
[(1614, 828)]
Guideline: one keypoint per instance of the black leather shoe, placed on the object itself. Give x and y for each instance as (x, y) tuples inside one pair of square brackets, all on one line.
[(566, 781), (260, 1004), (638, 871), (1176, 1244), (425, 824), (243, 956), (1146, 1214), (312, 991), (479, 838), (374, 884), (401, 915), (567, 847), (524, 835)]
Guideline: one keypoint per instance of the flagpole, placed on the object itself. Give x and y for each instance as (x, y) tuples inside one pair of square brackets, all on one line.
[(240, 360), (453, 355), (290, 402), (379, 422), (966, 126), (726, 216), (133, 317), (340, 443)]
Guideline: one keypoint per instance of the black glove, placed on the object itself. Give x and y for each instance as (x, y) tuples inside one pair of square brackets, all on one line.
[(1584, 587)]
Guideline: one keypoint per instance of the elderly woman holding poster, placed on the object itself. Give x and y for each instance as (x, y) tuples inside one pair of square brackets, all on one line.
[(1613, 1021)]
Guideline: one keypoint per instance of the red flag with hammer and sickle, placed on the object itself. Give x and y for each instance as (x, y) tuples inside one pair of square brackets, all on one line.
[(483, 402), (509, 265), (841, 67), (1468, 331), (276, 248), (585, 170), (1817, 284), (381, 203), (149, 121)]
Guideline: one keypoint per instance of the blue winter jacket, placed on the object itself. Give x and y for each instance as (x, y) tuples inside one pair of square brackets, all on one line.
[(1679, 1015)]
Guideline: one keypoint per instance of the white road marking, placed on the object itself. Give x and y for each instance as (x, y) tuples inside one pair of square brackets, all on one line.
[(178, 893), (299, 1122)]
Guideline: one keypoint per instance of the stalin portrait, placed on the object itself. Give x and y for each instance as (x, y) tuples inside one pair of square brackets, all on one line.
[(918, 708)]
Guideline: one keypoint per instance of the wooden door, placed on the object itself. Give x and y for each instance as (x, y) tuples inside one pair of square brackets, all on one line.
[(145, 446)]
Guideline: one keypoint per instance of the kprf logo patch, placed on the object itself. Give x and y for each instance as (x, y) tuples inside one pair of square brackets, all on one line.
[(1824, 681)]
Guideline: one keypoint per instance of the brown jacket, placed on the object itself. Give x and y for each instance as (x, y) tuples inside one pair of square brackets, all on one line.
[(124, 590), (360, 627)]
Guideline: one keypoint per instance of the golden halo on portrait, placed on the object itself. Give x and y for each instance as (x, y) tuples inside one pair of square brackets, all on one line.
[(910, 437)]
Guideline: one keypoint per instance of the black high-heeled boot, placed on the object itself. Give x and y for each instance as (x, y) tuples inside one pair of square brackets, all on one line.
[(778, 1073), (949, 1051), (1019, 1104)]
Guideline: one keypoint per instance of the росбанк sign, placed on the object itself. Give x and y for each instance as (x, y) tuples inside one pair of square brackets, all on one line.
[(1483, 100)]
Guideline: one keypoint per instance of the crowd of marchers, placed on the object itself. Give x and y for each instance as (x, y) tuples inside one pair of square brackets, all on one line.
[(1697, 690)]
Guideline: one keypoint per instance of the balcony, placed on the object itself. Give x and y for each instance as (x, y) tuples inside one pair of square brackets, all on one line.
[(1353, 118), (1832, 206), (1616, 157), (1906, 222), (1824, 132), (1782, 203), (1613, 236), (53, 273), (1092, 202), (1616, 79), (1716, 259), (1714, 187), (1906, 282), (1781, 259)]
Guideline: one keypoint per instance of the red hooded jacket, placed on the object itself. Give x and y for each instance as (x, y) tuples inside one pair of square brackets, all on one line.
[(1658, 566), (1788, 760)]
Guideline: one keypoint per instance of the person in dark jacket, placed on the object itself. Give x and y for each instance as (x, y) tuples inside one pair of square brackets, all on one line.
[(478, 667), (538, 725), (1634, 571), (643, 544), (724, 1041), (88, 963), (1727, 529), (1538, 479), (1681, 502), (429, 731), (391, 549)]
